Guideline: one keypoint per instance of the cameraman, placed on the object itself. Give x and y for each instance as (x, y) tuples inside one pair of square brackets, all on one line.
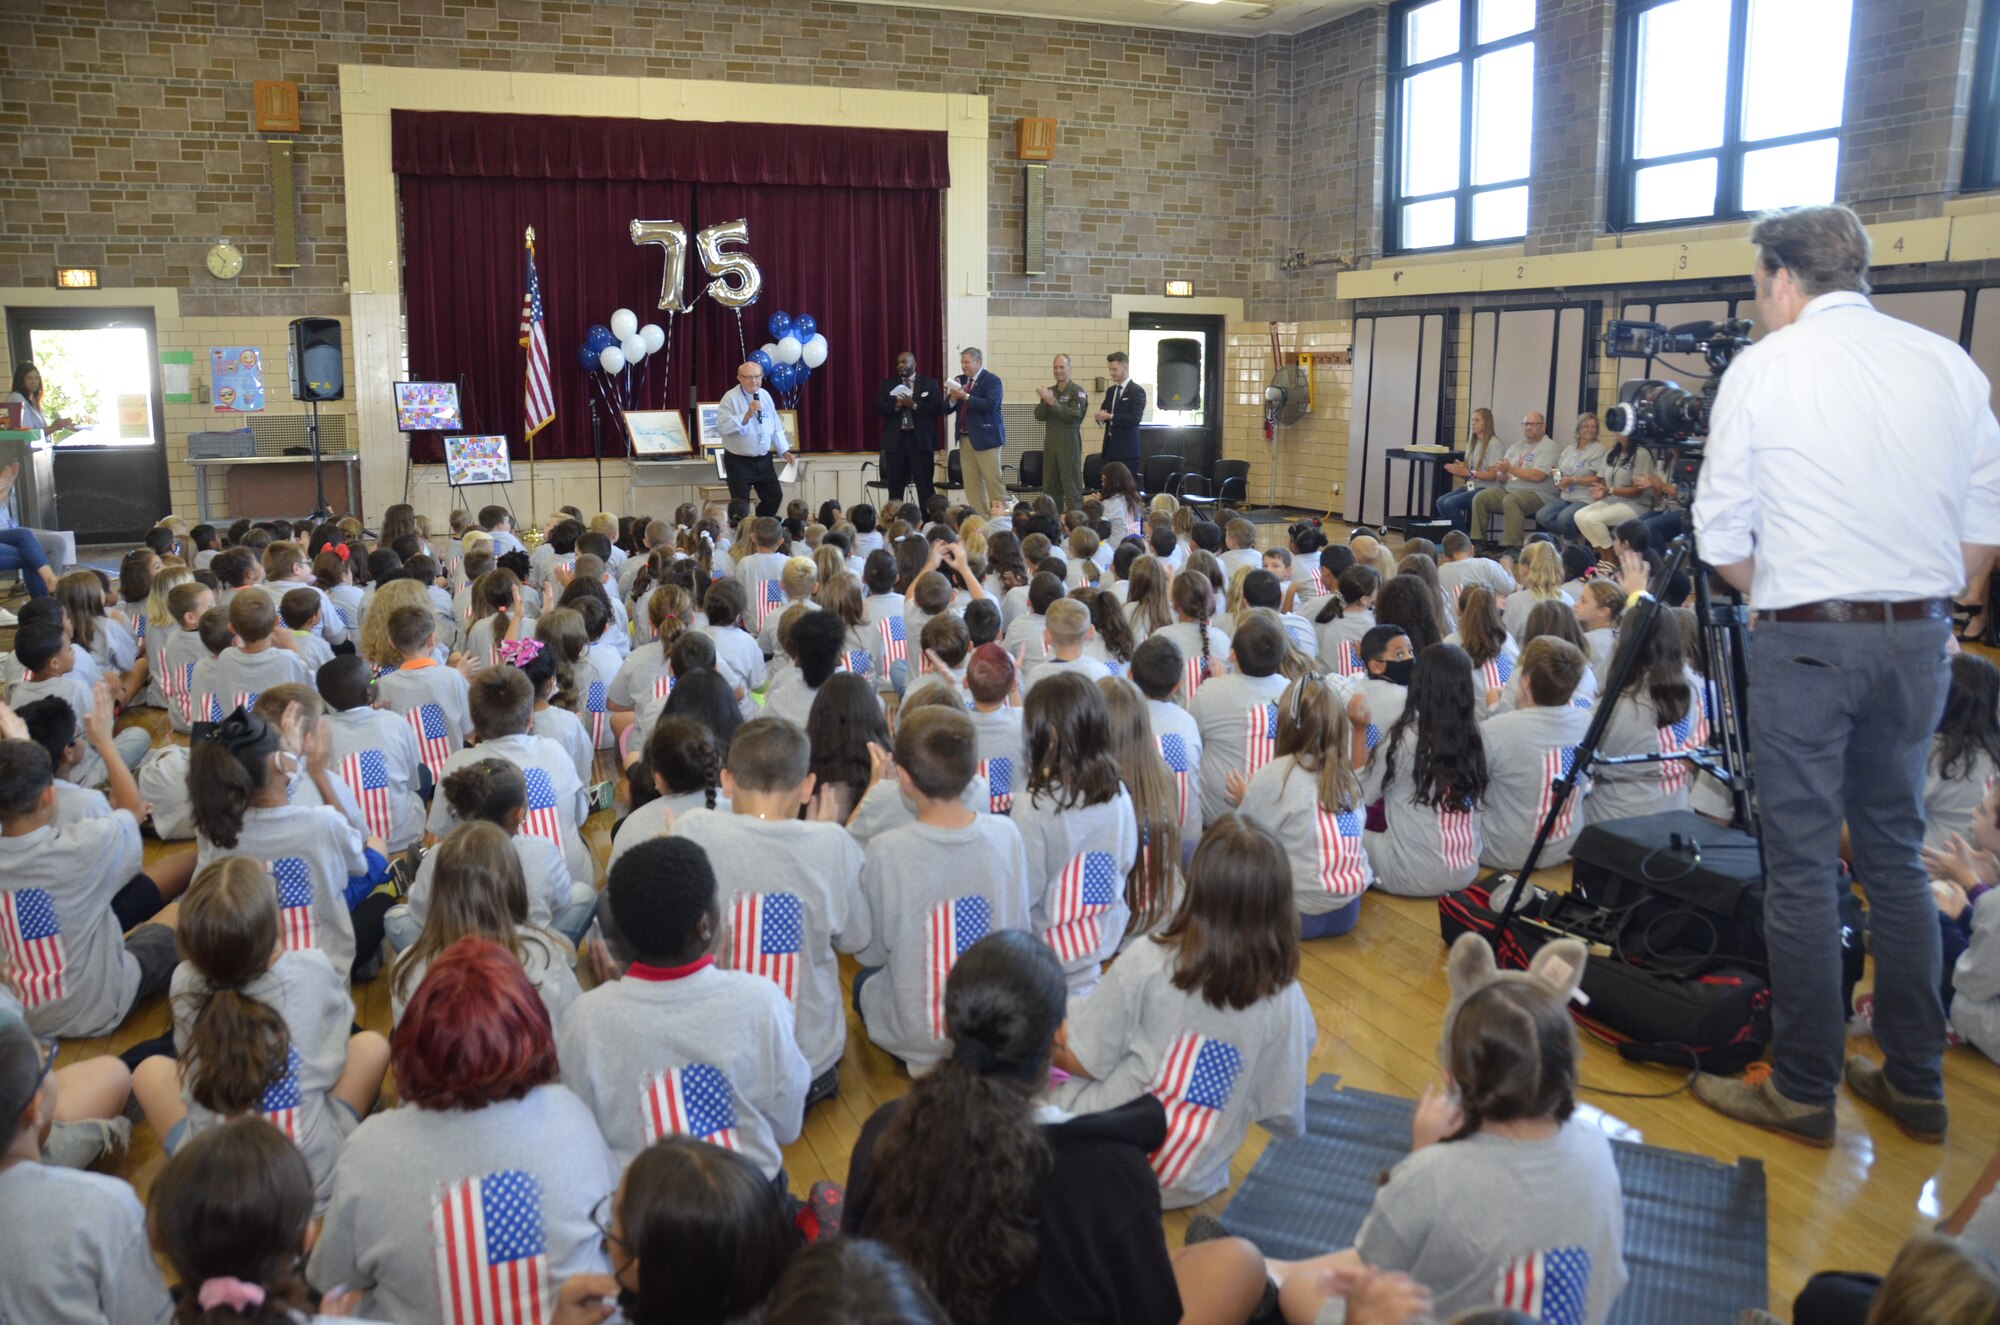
[(1841, 412)]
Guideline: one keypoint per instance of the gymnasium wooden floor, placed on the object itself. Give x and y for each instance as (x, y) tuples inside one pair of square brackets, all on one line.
[(1378, 995)]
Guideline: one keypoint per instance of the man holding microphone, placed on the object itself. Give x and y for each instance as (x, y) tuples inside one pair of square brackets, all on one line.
[(747, 419)]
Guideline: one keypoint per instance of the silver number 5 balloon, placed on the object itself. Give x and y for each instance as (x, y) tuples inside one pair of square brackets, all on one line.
[(708, 242), (672, 237)]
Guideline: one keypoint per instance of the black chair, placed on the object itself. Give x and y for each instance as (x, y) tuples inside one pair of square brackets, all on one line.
[(1193, 491), (1158, 472), (876, 483), (1029, 475), (1093, 471), (1232, 481), (954, 474)]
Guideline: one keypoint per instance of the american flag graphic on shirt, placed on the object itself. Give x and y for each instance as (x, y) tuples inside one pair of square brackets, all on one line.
[(139, 629), (663, 684), (1556, 764), (1174, 750), (695, 1100), (768, 935), (350, 617), (1312, 585), (1348, 660), (597, 702), (858, 661), (1552, 1286), (297, 925), (895, 644), (1260, 743), (1084, 891), (213, 708), (955, 926), (1458, 839), (1497, 671), (1687, 734), (770, 599), (366, 772), (1198, 670), (999, 774), (1194, 1083), (179, 685), (35, 954), (542, 820), (1343, 866), (433, 736), (280, 1101), (492, 1253)]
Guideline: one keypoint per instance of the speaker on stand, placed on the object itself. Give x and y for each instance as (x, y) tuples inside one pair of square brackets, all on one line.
[(316, 375), (1179, 373)]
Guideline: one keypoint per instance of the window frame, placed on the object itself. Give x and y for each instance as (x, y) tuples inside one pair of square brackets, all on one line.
[(1981, 169), (1729, 154), (1400, 73)]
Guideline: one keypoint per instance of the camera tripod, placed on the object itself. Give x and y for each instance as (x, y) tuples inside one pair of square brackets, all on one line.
[(1727, 753)]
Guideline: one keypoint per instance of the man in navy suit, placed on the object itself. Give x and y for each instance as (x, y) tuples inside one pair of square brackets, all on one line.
[(909, 405), (1124, 406), (976, 395)]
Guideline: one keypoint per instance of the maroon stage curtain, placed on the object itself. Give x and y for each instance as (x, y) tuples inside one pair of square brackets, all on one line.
[(844, 224)]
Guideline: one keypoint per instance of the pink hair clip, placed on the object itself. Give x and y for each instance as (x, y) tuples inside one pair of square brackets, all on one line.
[(225, 1291), (520, 652)]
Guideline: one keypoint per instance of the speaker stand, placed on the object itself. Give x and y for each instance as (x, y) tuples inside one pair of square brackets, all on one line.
[(321, 510), (1269, 513)]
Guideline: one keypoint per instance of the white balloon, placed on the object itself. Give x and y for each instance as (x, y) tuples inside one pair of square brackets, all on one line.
[(789, 350), (612, 359), (770, 347), (653, 336), (632, 348), (624, 323), (814, 351)]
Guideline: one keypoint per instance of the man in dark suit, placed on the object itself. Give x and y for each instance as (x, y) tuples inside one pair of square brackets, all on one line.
[(976, 394), (1124, 405), (909, 405)]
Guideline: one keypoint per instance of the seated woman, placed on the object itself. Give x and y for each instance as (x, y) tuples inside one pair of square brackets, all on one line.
[(20, 550)]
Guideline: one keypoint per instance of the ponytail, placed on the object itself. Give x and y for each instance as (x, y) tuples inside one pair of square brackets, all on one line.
[(220, 784), (228, 929), (230, 1213), (1334, 610)]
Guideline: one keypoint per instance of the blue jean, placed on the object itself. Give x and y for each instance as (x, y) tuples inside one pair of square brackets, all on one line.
[(21, 551), (1665, 526), (1558, 517), (1330, 924), (1841, 718), (1456, 506)]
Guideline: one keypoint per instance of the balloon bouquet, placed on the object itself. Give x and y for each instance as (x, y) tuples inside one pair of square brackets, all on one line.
[(619, 348), (796, 348)]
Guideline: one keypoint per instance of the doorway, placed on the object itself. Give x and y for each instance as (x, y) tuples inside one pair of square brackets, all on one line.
[(1177, 357), (101, 371)]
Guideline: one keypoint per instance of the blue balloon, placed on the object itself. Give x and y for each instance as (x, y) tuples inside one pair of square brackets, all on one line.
[(599, 338), (802, 372), (587, 357), (780, 323), (764, 361), (788, 376), (803, 326)]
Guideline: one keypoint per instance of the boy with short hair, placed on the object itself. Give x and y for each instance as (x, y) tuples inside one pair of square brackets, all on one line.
[(498, 522), (941, 654), (982, 621), (502, 705), (930, 596), (1066, 630), (1527, 749), (189, 603), (760, 572), (724, 605), (206, 543), (1460, 565), (430, 696), (237, 568), (866, 537), (287, 569), (49, 658), (1157, 671), (424, 569), (1237, 713), (797, 580), (789, 887), (374, 753), (236, 676), (996, 724), (1240, 540), (301, 611), (1027, 636), (681, 1045), (1386, 660), (1261, 589)]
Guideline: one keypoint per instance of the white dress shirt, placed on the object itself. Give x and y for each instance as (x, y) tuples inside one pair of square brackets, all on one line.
[(745, 435), (1850, 416)]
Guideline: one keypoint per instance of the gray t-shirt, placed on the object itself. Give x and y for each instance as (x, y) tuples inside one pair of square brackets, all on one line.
[(74, 804), (1187, 637), (1179, 739), (1423, 850), (709, 1054), (1485, 572), (1526, 751), (1559, 1252), (420, 1194), (1238, 718), (1541, 455), (568, 731), (790, 893), (1078, 862), (1949, 803), (546, 958), (375, 754), (73, 689), (302, 988), (543, 867), (640, 677), (1002, 754), (1625, 791), (738, 659), (1329, 864), (558, 802), (76, 1251), (656, 818), (933, 893), (233, 679), (310, 852), (1217, 1070), (883, 806), (1340, 638), (65, 953), (435, 697), (182, 653)]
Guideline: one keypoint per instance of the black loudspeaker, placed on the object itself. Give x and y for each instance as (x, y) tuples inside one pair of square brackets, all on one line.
[(316, 371), (1180, 375)]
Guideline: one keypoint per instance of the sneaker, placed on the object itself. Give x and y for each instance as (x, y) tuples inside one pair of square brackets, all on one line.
[(8, 620), (1755, 1100), (79, 1145), (1920, 1119)]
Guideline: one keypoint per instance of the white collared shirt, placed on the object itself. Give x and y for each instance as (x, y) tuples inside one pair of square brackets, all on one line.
[(1850, 417), (743, 435)]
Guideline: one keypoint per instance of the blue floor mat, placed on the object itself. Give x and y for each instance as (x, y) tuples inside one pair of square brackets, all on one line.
[(1695, 1241)]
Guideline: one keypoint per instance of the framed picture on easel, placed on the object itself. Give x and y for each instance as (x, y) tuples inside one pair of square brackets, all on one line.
[(657, 432), (706, 430), (474, 460)]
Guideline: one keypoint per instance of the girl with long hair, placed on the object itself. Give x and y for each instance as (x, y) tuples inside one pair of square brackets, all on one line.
[(1965, 753), (1423, 565), (845, 721), (496, 616), (1430, 774), (1345, 616), (1152, 888), (1482, 449), (1123, 504), (680, 770), (161, 626), (1309, 796), (1540, 573), (1659, 713), (1148, 597), (1112, 641), (1193, 632), (1483, 635), (1407, 602), (646, 674)]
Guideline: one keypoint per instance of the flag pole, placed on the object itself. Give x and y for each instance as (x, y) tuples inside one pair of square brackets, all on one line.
[(534, 515)]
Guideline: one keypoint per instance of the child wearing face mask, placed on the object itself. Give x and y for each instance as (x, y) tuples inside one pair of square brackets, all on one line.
[(1386, 659)]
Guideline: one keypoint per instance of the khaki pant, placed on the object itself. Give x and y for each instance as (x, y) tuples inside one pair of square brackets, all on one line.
[(981, 471), (1062, 471), (1514, 508), (1597, 521)]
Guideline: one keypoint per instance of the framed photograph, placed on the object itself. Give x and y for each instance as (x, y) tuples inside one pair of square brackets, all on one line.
[(704, 425), (789, 420), (657, 432), (471, 460), (426, 406)]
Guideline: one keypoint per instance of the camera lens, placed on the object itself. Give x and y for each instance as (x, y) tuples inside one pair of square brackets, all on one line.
[(1619, 419)]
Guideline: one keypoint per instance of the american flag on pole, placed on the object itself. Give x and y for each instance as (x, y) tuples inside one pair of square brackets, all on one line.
[(296, 923), (1551, 1286), (769, 931), (955, 926), (280, 1101), (492, 1253), (366, 772), (1558, 763), (1194, 1083), (1458, 839), (1173, 749), (999, 774), (895, 644), (1674, 738), (597, 702), (540, 398), (543, 821), (34, 943), (1261, 728), (433, 736), (1086, 889), (770, 598), (1343, 866), (1497, 671), (695, 1101)]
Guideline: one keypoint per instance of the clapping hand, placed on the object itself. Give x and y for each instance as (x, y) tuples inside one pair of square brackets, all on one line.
[(1631, 572), (1959, 862), (1381, 1297), (1047, 394), (13, 729)]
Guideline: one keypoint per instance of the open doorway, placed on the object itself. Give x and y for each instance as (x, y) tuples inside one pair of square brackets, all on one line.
[(1178, 359), (101, 372)]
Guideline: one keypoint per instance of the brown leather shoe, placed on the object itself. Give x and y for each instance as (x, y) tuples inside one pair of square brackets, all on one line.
[(1920, 1119), (1754, 1100)]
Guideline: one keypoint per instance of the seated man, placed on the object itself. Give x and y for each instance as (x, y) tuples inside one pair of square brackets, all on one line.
[(1526, 484)]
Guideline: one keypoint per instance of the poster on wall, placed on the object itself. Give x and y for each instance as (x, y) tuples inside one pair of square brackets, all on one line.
[(176, 376), (236, 379), (474, 459)]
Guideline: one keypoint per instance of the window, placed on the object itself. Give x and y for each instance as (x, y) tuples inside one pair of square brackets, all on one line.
[(1730, 107), (1464, 88), (1982, 138)]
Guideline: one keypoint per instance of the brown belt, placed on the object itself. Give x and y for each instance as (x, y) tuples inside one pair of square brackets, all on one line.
[(1846, 610)]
